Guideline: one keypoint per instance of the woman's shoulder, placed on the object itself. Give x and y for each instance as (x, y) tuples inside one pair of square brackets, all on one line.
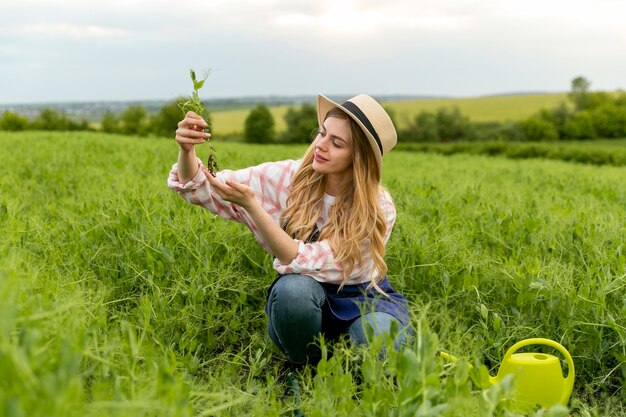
[(280, 167), (275, 172), (385, 194), (386, 202)]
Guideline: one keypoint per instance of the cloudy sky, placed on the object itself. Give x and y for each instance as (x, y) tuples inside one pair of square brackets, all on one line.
[(81, 50)]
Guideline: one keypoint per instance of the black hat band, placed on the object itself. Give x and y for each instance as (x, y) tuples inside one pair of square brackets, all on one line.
[(354, 109)]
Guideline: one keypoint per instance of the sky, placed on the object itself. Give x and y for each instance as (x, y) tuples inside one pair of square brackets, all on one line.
[(110, 50)]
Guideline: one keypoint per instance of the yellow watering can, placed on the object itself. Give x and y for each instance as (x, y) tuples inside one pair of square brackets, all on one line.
[(538, 376)]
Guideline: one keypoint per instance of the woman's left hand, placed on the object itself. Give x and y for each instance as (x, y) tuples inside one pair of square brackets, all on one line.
[(232, 191)]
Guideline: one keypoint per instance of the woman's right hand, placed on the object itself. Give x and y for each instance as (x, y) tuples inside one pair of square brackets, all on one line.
[(191, 132)]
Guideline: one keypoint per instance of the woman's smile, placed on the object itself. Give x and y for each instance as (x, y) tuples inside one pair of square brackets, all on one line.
[(319, 158)]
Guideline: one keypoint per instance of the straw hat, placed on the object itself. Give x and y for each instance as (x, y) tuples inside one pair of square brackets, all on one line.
[(370, 116)]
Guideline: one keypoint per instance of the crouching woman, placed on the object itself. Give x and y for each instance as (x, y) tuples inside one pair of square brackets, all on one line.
[(325, 218)]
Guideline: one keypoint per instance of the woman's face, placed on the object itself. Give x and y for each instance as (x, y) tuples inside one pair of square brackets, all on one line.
[(333, 148)]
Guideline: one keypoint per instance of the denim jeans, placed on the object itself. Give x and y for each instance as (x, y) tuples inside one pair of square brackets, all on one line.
[(297, 315)]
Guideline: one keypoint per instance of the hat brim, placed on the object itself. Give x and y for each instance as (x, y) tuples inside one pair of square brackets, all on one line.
[(324, 105)]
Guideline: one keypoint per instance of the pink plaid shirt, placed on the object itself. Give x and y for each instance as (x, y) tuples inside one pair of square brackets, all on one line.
[(271, 182)]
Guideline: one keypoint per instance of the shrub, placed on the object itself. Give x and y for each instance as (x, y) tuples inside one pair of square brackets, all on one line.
[(558, 116), (599, 99), (110, 123), (580, 126), (620, 99), (610, 121), (134, 121), (537, 129), (451, 124), (445, 125), (50, 119), (13, 121), (301, 124), (259, 126), (425, 128), (164, 123)]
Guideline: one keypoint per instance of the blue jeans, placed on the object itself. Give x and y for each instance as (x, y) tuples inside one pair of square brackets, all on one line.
[(297, 315)]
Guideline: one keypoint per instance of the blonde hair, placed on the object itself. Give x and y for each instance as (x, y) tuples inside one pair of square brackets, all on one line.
[(355, 218)]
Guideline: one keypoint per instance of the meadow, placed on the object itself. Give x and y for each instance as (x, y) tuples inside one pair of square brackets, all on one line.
[(118, 298), (478, 109), (597, 151)]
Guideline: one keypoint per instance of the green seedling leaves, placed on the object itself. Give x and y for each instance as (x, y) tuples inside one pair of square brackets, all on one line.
[(195, 104)]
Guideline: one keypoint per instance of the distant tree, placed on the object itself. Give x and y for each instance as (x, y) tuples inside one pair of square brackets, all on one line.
[(445, 125), (451, 124), (165, 122), (558, 116), (50, 119), (537, 129), (425, 127), (609, 121), (134, 121), (82, 125), (13, 121), (301, 124), (580, 92), (580, 126), (599, 99), (259, 126), (620, 99), (110, 123)]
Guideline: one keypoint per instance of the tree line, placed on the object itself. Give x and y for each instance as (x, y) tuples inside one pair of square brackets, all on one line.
[(587, 115)]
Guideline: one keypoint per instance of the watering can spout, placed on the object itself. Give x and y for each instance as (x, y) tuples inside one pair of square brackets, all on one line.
[(449, 357)]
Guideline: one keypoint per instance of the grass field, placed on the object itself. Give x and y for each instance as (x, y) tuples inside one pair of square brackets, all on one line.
[(494, 108), (598, 152), (117, 298)]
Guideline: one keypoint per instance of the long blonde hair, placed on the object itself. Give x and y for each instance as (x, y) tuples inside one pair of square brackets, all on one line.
[(355, 218)]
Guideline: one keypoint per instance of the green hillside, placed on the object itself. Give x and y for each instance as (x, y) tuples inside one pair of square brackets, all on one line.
[(493, 108)]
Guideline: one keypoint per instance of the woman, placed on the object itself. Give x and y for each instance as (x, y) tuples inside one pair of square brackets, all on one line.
[(325, 219)]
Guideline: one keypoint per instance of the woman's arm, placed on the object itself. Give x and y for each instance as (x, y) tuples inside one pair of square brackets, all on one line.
[(187, 165), (190, 133), (276, 240)]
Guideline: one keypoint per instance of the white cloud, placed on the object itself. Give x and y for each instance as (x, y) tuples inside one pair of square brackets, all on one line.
[(461, 47), (341, 19)]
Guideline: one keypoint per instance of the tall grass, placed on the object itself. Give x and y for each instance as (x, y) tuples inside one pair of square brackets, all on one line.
[(118, 298), (599, 152)]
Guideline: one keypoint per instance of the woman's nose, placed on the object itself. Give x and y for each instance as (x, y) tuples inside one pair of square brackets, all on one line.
[(321, 142)]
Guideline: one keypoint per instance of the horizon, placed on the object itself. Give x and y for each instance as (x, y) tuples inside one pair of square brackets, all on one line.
[(299, 97), (94, 50)]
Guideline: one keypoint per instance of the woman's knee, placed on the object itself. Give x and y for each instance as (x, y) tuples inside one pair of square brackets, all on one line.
[(295, 292), (295, 316), (377, 324)]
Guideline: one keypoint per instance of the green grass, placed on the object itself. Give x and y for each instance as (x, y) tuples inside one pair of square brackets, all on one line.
[(496, 108), (118, 298), (598, 152)]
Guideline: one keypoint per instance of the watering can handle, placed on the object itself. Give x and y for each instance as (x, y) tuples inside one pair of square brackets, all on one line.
[(547, 342)]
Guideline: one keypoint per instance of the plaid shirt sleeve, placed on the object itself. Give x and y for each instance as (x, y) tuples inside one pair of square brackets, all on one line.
[(271, 183)]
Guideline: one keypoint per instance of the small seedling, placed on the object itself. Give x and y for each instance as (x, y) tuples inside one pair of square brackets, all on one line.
[(194, 104)]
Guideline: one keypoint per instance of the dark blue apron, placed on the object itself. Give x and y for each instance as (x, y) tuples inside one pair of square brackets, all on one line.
[(352, 301)]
